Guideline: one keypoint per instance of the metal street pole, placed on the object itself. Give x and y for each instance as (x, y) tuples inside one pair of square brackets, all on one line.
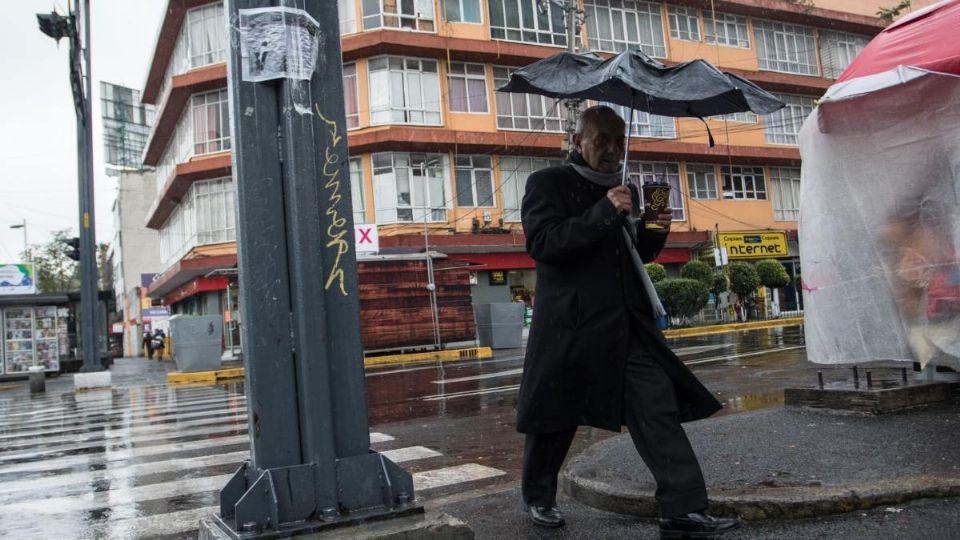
[(573, 105), (82, 84), (24, 227), (310, 465)]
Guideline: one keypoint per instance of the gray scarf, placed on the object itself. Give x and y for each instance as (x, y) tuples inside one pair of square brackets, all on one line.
[(608, 180)]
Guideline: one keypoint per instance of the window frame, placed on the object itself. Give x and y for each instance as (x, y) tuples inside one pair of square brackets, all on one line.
[(513, 99), (674, 14), (391, 192), (512, 186), (524, 9), (786, 48), (726, 21), (742, 173), (646, 125), (357, 189), (710, 189), (467, 77), (831, 44), (778, 177), (460, 3), (222, 106), (645, 16), (351, 82), (381, 16), (471, 167), (775, 124), (213, 11), (405, 73)]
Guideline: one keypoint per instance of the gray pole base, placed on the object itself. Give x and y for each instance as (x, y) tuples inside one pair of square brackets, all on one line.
[(281, 502)]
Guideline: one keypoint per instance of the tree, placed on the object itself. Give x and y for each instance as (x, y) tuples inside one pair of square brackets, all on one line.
[(743, 282), (889, 14), (54, 270), (682, 298), (699, 271), (719, 284), (772, 273), (656, 271)]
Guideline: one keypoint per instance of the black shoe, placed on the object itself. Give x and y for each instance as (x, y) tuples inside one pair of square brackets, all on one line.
[(546, 516), (696, 525)]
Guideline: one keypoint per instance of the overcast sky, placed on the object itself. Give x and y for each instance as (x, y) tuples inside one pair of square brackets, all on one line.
[(38, 142)]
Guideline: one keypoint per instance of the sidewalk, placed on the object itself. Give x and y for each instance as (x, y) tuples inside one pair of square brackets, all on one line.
[(788, 464)]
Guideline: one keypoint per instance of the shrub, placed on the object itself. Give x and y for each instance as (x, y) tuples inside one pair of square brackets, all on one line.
[(699, 271), (682, 297), (772, 273), (657, 271)]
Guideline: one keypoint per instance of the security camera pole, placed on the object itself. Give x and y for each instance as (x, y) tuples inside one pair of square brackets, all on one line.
[(310, 466)]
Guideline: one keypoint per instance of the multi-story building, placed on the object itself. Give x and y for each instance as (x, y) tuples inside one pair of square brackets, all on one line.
[(439, 158)]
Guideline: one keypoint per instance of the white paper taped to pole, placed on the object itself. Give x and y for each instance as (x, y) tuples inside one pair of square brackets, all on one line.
[(278, 43)]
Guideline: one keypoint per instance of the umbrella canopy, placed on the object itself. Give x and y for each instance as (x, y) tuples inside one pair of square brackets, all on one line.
[(633, 79), (921, 43)]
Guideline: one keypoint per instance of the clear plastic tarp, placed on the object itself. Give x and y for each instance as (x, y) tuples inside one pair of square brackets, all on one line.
[(880, 225)]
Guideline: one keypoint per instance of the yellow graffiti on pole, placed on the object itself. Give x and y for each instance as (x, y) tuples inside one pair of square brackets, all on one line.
[(336, 230)]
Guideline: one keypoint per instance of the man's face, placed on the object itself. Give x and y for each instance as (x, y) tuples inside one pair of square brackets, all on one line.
[(601, 143)]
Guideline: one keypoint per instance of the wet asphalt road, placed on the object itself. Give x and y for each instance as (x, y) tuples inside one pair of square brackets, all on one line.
[(147, 460)]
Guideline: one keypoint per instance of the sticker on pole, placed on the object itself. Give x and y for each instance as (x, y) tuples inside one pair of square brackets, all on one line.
[(278, 43)]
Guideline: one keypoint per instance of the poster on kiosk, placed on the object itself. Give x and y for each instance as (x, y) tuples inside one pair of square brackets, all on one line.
[(32, 335)]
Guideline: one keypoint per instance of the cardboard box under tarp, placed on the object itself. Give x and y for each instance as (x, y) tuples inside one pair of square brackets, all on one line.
[(396, 311)]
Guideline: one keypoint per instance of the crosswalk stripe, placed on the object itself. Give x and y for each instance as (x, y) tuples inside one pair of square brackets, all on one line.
[(126, 441), (447, 476), (120, 496), (73, 417), (169, 524), (93, 399), (505, 373), (174, 415), (411, 453)]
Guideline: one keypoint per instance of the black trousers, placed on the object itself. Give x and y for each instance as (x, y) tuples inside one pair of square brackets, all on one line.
[(650, 412)]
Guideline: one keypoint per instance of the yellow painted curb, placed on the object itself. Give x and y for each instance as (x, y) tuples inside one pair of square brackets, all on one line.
[(204, 376), (453, 354), (724, 328)]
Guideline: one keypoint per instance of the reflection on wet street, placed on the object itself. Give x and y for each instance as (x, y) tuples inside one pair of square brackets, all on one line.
[(149, 460)]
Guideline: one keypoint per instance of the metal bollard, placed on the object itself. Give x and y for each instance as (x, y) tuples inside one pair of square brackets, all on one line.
[(820, 379), (869, 379), (38, 380), (856, 377), (903, 375)]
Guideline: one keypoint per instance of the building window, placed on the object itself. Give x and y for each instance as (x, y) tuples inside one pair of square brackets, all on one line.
[(746, 117), (356, 191), (348, 16), (785, 185), (618, 25), (723, 29), (468, 87), (787, 48), (837, 50), (405, 14), (206, 33), (350, 97), (211, 122), (514, 172), (783, 126), (646, 124), (213, 203), (522, 20), (662, 173), (684, 23), (474, 176), (743, 183), (467, 11), (409, 188), (525, 111), (702, 181), (404, 91)]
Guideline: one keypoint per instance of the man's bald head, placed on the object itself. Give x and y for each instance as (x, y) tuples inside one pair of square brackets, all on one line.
[(600, 138), (599, 114)]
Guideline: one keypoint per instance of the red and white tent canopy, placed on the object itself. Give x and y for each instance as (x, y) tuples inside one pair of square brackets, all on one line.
[(926, 41)]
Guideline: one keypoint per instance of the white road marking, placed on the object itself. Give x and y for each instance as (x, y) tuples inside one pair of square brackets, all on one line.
[(411, 453), (505, 373), (470, 393), (742, 355), (453, 475)]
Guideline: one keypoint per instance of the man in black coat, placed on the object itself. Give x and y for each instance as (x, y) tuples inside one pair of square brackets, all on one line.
[(595, 356)]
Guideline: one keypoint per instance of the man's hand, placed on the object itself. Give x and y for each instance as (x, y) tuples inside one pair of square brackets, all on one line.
[(621, 200), (662, 220)]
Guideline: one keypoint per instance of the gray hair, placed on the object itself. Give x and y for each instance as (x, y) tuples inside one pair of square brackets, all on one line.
[(591, 114)]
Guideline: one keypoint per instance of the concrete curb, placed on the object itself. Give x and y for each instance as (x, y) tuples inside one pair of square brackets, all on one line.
[(735, 327), (757, 504)]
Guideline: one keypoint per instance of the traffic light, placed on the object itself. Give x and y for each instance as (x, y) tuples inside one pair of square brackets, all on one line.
[(73, 248)]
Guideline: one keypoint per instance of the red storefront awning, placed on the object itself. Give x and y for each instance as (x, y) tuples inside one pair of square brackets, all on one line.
[(673, 255), (515, 260)]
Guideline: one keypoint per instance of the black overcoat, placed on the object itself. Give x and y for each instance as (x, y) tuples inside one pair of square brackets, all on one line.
[(588, 298)]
